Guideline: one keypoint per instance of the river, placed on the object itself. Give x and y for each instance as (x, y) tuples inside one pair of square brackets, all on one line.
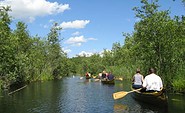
[(75, 95)]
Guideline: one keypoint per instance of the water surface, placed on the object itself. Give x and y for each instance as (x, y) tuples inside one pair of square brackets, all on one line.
[(75, 95)]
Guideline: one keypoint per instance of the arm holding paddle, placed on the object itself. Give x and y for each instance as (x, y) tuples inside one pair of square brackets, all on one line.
[(137, 84), (122, 94)]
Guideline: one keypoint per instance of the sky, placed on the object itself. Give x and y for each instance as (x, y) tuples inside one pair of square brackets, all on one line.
[(88, 26)]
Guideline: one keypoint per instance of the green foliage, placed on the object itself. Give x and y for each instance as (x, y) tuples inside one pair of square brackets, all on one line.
[(24, 58), (6, 46), (179, 84), (157, 41), (56, 57)]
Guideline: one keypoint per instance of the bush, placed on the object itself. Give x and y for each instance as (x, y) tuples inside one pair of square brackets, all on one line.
[(179, 85)]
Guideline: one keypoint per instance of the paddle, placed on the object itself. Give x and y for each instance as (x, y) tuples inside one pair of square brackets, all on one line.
[(96, 80), (121, 94)]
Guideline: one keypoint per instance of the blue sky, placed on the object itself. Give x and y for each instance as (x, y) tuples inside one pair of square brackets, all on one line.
[(89, 26)]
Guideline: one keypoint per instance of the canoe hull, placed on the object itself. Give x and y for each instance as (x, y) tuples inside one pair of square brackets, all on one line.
[(154, 98), (88, 77), (108, 81)]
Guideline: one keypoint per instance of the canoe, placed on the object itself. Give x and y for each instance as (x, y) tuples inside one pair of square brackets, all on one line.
[(154, 98), (88, 77), (107, 81)]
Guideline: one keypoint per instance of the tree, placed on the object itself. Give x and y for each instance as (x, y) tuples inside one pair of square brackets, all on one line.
[(6, 48), (56, 56), (22, 48), (159, 39)]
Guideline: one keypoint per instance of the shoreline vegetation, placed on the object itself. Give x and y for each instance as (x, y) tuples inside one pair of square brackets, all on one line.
[(158, 41)]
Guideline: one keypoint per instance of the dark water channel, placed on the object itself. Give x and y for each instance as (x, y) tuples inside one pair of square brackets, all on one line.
[(75, 95)]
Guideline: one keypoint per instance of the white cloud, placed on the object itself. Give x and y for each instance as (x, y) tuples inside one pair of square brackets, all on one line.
[(90, 53), (77, 24), (77, 44), (66, 50), (78, 40), (76, 33), (84, 53), (73, 40), (91, 39), (29, 9), (101, 53)]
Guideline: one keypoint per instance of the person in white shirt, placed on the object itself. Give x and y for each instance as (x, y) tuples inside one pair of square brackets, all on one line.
[(137, 80), (152, 82)]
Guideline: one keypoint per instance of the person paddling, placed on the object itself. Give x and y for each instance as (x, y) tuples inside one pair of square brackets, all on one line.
[(152, 82), (110, 76), (104, 75), (137, 80)]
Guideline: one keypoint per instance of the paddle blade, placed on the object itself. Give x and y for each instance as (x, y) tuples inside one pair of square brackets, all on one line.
[(119, 95)]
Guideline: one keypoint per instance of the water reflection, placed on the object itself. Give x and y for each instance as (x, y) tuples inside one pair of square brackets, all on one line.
[(121, 108), (176, 103)]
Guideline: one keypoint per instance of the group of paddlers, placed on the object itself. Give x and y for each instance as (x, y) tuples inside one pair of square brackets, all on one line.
[(150, 83), (106, 76), (103, 76)]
